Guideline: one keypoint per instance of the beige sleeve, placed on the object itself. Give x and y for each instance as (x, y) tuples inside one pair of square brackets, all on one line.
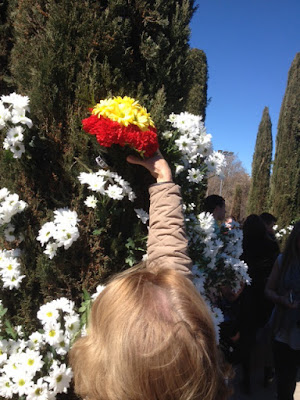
[(167, 242)]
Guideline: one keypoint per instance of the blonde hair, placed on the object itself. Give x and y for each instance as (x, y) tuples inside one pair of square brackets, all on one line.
[(150, 336)]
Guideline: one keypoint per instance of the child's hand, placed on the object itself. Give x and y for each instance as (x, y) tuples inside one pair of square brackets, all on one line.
[(157, 166)]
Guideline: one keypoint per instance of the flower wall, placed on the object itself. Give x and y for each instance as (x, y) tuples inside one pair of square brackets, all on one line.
[(55, 254)]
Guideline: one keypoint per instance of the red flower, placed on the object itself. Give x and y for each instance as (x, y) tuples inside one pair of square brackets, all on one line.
[(110, 132)]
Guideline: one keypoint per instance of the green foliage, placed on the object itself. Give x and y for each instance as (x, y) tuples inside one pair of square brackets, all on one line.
[(197, 69), (261, 167), (285, 180), (85, 307), (236, 209), (6, 42)]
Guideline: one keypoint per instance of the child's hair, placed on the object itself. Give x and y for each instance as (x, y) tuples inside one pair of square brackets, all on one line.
[(150, 336)]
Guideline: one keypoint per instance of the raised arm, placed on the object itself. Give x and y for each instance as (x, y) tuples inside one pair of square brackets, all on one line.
[(167, 242)]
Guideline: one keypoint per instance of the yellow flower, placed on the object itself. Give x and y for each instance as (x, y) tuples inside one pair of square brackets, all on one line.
[(125, 111)]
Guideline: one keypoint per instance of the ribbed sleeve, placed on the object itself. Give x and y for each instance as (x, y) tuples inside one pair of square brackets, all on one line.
[(167, 242)]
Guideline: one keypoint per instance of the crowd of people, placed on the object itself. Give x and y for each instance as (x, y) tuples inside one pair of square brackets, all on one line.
[(267, 312), (150, 334)]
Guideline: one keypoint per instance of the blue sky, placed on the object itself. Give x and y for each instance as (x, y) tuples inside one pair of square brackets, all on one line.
[(250, 45)]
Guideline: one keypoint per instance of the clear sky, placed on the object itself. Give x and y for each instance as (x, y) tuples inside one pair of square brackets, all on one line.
[(250, 45)]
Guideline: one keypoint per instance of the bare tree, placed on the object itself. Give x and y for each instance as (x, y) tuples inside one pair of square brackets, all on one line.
[(235, 175)]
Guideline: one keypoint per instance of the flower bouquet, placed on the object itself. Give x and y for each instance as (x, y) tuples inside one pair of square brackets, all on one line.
[(122, 121)]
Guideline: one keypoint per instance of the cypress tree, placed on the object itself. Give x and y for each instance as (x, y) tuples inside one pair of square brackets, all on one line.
[(67, 56), (197, 96), (285, 180), (5, 47), (236, 210), (261, 166)]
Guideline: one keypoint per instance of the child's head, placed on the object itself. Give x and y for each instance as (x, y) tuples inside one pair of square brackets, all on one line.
[(150, 336)]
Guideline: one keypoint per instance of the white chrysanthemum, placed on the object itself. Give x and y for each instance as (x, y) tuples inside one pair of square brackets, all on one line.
[(3, 193), (64, 304), (65, 216), (6, 387), (99, 289), (59, 378), (31, 361), (19, 117), (5, 115), (199, 282), (142, 215), (72, 325), (215, 163), (53, 333), (15, 135), (10, 206), (186, 121), (18, 101), (62, 230), (13, 282), (3, 351), (46, 232), (179, 169), (207, 224), (22, 382), (108, 184), (114, 192), (39, 391), (65, 235), (91, 202), (36, 341), (62, 345), (185, 144), (195, 175), (94, 182), (9, 266), (48, 314), (9, 233), (17, 149), (51, 249)]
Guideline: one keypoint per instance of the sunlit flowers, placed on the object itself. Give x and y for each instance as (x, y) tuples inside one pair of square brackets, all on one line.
[(91, 201), (13, 119), (122, 121), (61, 232), (106, 183), (10, 205), (194, 143), (36, 368), (125, 111), (216, 253), (10, 269)]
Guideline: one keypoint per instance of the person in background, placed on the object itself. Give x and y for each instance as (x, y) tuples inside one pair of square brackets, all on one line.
[(260, 253), (269, 221), (283, 289), (150, 334), (215, 205)]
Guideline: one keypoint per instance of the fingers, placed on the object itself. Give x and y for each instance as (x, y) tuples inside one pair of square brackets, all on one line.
[(156, 165)]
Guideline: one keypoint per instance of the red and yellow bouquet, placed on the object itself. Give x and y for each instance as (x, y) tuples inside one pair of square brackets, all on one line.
[(122, 121)]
